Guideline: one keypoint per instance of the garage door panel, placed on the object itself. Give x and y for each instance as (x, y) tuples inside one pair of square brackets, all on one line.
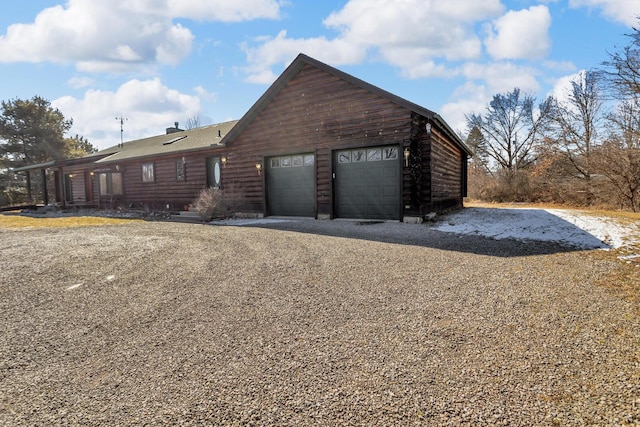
[(368, 188), (290, 184), (390, 173), (390, 192), (375, 174)]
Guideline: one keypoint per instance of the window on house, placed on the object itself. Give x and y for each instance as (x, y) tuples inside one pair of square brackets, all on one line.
[(147, 172), (110, 184), (180, 170)]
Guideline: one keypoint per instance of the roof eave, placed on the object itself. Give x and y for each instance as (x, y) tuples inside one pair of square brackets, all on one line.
[(34, 166), (106, 160)]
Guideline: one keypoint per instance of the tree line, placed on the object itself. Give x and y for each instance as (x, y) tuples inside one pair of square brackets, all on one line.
[(581, 150)]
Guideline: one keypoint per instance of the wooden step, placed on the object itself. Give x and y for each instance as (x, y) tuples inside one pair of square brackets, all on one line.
[(190, 216)]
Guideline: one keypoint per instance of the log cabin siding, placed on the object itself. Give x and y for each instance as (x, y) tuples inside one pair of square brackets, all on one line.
[(315, 112), (165, 188), (446, 175)]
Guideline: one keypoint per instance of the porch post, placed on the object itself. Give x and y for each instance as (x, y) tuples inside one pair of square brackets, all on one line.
[(45, 193), (29, 198)]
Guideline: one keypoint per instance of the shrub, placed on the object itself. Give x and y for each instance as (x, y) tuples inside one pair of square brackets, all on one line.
[(212, 204), (13, 196)]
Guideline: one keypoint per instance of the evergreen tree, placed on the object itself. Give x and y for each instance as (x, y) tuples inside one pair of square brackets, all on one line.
[(31, 131)]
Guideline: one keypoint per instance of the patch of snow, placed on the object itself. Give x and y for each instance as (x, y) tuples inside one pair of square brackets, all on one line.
[(551, 225)]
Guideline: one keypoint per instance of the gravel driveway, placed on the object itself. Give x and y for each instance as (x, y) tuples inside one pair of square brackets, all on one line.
[(330, 323)]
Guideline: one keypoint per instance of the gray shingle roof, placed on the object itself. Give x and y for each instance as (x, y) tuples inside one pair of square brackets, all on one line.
[(188, 140)]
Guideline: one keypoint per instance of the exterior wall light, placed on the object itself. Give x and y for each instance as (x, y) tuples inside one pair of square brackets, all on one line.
[(223, 160), (70, 175), (259, 168), (427, 127), (406, 156)]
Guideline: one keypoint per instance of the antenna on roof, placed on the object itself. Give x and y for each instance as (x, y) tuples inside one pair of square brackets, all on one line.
[(122, 120)]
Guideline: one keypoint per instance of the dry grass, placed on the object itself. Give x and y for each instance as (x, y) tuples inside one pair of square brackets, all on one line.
[(623, 281), (18, 221), (620, 215)]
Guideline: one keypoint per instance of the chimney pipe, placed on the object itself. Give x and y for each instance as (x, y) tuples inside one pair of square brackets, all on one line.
[(174, 129)]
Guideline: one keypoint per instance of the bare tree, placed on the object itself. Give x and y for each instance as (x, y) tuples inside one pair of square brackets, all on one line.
[(577, 122), (618, 159), (193, 122), (622, 70), (510, 130)]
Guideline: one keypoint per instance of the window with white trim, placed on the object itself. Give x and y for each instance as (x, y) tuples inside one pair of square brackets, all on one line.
[(147, 172)]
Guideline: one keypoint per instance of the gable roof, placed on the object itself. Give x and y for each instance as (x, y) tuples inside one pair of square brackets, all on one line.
[(172, 143), (299, 63)]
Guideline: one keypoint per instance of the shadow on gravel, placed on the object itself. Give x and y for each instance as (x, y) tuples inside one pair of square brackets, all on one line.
[(425, 235)]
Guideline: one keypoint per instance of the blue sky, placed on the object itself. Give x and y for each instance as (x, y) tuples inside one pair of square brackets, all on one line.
[(160, 61)]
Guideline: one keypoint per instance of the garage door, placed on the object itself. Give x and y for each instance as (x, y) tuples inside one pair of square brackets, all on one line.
[(367, 183), (291, 189)]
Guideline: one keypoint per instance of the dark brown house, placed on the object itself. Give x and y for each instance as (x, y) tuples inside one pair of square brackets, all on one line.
[(322, 143), (319, 143)]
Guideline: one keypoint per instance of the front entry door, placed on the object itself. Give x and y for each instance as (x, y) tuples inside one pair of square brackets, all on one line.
[(214, 173)]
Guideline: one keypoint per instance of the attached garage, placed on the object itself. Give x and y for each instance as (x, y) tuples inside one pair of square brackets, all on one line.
[(323, 144), (367, 183), (291, 185)]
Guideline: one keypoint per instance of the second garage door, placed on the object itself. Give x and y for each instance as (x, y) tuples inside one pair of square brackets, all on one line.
[(291, 189), (367, 183)]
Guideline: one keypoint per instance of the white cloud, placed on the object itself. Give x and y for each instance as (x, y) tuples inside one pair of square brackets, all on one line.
[(205, 95), (468, 98), (503, 77), (408, 34), (80, 82), (224, 10), (520, 34), (98, 36), (120, 35), (623, 11), (149, 106), (281, 50), (433, 28), (564, 66), (427, 69)]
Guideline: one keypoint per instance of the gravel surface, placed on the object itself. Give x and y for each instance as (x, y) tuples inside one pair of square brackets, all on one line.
[(309, 323)]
